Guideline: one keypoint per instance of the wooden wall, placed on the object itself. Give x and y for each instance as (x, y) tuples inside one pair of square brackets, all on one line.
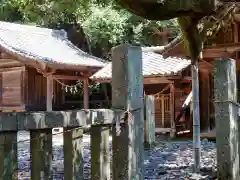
[(12, 88), (12, 84), (37, 91), (163, 102), (205, 99)]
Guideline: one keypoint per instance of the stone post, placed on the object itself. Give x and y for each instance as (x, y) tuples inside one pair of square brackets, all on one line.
[(226, 115), (127, 94)]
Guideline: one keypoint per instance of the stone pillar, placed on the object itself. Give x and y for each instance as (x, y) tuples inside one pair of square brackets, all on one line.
[(127, 94), (226, 115)]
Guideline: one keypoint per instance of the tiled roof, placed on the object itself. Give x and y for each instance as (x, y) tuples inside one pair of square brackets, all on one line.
[(46, 45), (153, 65)]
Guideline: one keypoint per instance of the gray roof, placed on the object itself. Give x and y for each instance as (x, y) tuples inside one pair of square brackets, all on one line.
[(153, 65), (46, 45)]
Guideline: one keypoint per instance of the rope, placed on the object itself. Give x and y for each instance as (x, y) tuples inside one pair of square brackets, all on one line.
[(73, 88)]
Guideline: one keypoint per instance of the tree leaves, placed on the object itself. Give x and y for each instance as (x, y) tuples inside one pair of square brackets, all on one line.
[(104, 22)]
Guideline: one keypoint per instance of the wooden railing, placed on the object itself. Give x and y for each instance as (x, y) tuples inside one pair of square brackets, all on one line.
[(126, 121), (40, 125)]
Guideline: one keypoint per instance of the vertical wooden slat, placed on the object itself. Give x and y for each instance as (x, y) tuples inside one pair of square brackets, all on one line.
[(23, 82), (10, 156), (41, 153), (204, 93), (25, 87), (100, 160), (163, 110), (127, 93), (86, 94), (2, 138), (49, 92), (149, 121), (172, 110), (73, 153), (236, 35)]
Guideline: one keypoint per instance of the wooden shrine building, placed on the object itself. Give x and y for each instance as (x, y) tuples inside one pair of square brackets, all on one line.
[(35, 63), (222, 42), (166, 79)]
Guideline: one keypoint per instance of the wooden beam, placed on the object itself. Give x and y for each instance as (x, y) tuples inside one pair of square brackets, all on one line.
[(86, 94), (12, 121), (172, 107), (187, 79), (66, 77), (147, 80), (157, 80), (49, 92)]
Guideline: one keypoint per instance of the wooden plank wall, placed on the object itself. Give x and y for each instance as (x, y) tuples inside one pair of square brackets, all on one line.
[(163, 111), (12, 88), (37, 91), (205, 98)]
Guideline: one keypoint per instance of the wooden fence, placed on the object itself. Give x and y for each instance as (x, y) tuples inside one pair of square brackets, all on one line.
[(125, 120), (40, 125)]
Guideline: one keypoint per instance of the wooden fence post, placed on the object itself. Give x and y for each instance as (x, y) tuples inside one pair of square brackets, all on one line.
[(100, 159), (149, 128), (10, 156), (2, 138), (226, 119), (127, 94), (73, 153), (41, 153)]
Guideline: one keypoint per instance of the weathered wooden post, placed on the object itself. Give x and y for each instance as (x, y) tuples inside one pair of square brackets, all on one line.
[(100, 159), (149, 120), (9, 147), (127, 94), (226, 119), (2, 138), (73, 153), (41, 153)]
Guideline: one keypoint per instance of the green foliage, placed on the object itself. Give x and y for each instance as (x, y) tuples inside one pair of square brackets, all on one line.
[(105, 23), (110, 26)]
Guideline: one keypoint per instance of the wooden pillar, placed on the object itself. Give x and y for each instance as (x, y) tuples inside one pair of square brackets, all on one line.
[(100, 158), (73, 153), (149, 131), (86, 94), (204, 96), (196, 117), (236, 35), (10, 156), (41, 153), (172, 109), (226, 115), (49, 92), (127, 94)]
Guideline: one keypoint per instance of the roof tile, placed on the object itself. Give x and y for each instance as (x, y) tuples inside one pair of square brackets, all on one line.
[(47, 45), (153, 64)]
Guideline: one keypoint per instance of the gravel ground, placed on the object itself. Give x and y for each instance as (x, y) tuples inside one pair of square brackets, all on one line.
[(168, 160)]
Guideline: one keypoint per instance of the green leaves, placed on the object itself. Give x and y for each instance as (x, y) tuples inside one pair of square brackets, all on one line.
[(104, 22)]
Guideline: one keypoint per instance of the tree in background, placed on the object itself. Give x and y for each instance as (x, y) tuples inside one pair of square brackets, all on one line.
[(94, 26)]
